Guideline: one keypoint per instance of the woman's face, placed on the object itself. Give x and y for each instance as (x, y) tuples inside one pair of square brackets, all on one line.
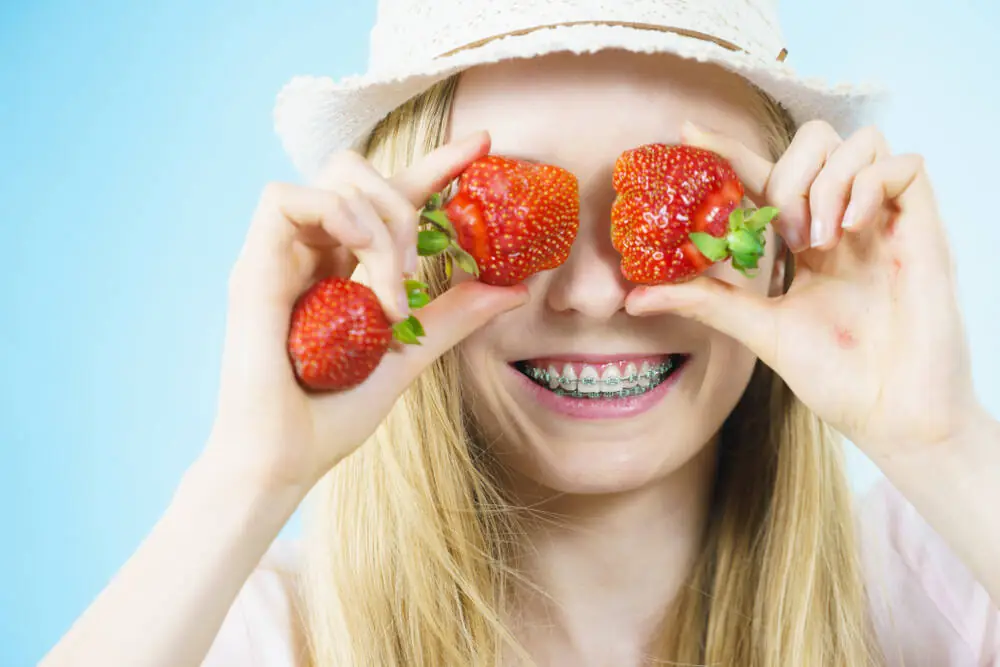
[(581, 113)]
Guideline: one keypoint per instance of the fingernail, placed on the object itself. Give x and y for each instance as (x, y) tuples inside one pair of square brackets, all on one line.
[(849, 217), (411, 262), (817, 233)]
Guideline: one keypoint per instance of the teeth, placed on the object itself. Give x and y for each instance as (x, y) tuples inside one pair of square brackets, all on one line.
[(631, 376), (553, 377), (589, 380), (611, 379), (568, 380), (644, 375)]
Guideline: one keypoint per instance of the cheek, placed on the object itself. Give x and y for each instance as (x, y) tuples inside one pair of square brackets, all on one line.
[(730, 365)]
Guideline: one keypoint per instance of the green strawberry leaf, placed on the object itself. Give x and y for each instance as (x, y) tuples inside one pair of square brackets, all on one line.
[(439, 220), (448, 266), (416, 293), (464, 260), (736, 219), (415, 285), (712, 247), (418, 299), (404, 332), (761, 218), (431, 241), (743, 242), (743, 262), (434, 202), (417, 327)]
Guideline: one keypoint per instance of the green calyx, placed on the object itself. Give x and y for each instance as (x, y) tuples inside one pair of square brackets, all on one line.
[(410, 330), (743, 242), (437, 235)]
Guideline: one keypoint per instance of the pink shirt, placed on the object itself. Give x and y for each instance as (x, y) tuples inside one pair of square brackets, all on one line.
[(928, 610)]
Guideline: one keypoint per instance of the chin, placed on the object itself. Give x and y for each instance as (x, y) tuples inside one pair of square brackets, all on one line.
[(596, 467)]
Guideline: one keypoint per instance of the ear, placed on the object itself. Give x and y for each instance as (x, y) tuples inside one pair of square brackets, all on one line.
[(782, 270)]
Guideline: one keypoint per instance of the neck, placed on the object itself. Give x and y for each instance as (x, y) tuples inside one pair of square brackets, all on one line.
[(607, 567)]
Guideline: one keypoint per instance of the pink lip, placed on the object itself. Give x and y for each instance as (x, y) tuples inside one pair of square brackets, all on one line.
[(590, 408)]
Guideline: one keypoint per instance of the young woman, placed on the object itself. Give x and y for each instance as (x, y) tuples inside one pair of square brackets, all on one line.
[(465, 515)]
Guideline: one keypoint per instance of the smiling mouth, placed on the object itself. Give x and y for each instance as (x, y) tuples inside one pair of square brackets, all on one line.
[(618, 379)]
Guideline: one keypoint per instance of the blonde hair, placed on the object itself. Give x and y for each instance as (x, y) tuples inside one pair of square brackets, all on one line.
[(410, 542)]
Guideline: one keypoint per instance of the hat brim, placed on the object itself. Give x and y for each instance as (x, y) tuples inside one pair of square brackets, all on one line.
[(317, 116)]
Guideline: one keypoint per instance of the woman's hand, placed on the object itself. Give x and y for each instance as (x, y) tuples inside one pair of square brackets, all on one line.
[(270, 430), (869, 335)]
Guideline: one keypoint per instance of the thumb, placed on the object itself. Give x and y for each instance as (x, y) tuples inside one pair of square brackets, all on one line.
[(452, 317), (739, 313)]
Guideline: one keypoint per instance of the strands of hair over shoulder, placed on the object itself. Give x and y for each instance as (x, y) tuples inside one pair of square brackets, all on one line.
[(411, 545)]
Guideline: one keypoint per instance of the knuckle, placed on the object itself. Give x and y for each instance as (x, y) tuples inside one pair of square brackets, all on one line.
[(782, 193), (816, 129), (274, 192), (341, 163), (350, 194), (869, 133), (915, 160), (866, 180), (334, 206)]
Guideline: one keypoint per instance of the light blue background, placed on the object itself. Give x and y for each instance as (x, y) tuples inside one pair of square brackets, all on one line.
[(134, 138)]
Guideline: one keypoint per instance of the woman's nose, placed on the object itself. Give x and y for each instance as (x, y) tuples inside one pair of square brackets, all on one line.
[(590, 281)]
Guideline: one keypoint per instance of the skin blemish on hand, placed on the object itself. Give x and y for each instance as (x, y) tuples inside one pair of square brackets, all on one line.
[(897, 265), (845, 339)]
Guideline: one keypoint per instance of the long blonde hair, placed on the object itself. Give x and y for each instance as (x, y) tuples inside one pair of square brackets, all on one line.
[(410, 542)]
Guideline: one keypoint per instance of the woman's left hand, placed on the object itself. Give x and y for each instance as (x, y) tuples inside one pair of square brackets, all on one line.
[(869, 334)]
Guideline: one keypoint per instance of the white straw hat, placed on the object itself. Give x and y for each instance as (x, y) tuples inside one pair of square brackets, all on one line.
[(416, 43)]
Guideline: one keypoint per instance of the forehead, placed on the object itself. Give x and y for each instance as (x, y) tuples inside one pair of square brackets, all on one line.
[(570, 109)]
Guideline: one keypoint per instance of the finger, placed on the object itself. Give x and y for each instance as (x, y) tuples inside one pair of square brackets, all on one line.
[(883, 181), (830, 192), (754, 171), (792, 179), (380, 258), (399, 214), (452, 317), (439, 167), (739, 313), (785, 184), (288, 214)]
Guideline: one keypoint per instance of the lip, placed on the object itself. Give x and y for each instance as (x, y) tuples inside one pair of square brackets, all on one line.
[(597, 409)]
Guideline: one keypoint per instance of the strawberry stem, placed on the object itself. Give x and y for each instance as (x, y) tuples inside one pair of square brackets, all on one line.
[(442, 238), (743, 242)]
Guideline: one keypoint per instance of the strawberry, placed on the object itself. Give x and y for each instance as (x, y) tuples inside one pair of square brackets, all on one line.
[(339, 332), (508, 220), (676, 213)]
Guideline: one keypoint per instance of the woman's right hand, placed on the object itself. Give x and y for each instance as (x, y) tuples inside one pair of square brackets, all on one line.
[(268, 429)]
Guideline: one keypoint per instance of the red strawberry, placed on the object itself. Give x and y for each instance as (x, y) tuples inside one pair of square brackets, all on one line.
[(339, 333), (676, 214), (509, 220)]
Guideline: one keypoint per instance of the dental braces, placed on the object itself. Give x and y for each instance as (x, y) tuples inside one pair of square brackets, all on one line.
[(654, 374)]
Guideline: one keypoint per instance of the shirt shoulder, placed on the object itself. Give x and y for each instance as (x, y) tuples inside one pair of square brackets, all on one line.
[(927, 607), (264, 625)]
